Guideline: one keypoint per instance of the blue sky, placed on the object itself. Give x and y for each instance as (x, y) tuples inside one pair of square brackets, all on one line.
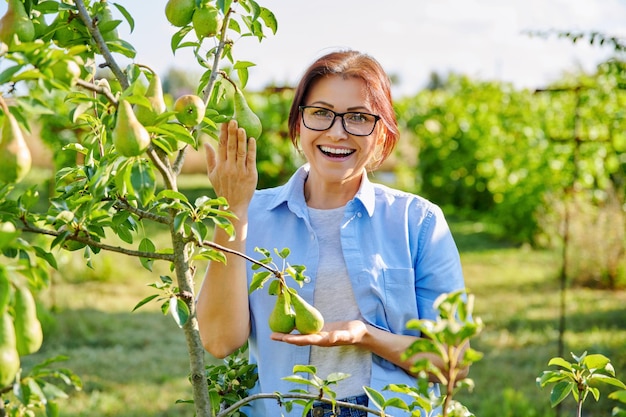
[(411, 38)]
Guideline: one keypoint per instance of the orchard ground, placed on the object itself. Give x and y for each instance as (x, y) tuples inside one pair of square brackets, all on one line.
[(135, 363)]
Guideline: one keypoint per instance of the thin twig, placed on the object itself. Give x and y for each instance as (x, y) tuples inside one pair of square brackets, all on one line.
[(164, 169), (280, 397), (92, 27), (123, 204), (89, 241), (97, 89), (243, 255)]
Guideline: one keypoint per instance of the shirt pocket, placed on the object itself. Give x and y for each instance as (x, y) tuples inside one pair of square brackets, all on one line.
[(400, 299)]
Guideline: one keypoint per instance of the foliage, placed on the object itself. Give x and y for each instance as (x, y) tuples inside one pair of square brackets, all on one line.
[(97, 194), (486, 147), (579, 378)]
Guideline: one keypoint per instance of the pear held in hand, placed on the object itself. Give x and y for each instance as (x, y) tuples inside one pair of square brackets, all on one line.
[(282, 319), (129, 136), (15, 158), (308, 319), (16, 22), (245, 117)]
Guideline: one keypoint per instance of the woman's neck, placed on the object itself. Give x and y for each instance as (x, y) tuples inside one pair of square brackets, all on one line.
[(323, 195)]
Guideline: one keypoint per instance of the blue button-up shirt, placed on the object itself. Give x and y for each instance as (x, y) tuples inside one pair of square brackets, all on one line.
[(400, 257)]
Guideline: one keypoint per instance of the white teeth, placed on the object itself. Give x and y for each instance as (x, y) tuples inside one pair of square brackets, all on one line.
[(336, 151)]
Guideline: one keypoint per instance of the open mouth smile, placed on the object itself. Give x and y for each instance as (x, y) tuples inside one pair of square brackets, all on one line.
[(336, 152)]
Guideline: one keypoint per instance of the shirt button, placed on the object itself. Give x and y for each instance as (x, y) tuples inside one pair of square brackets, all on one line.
[(307, 280), (359, 214), (318, 412)]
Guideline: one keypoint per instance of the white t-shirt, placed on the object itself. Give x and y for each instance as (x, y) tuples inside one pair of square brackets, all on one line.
[(334, 298)]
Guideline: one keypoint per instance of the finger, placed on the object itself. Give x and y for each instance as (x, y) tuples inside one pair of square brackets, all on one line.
[(223, 140), (231, 145), (251, 157), (210, 157), (241, 147)]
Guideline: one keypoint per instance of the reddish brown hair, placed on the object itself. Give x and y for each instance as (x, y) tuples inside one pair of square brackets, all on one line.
[(358, 65)]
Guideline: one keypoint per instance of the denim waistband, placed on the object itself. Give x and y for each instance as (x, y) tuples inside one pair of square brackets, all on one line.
[(321, 409)]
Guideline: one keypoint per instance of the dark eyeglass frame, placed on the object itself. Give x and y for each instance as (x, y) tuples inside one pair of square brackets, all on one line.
[(340, 115)]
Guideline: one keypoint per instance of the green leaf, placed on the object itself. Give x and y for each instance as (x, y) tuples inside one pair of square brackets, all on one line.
[(52, 409), (145, 301), (146, 245), (596, 361), (618, 396), (269, 19), (143, 181), (560, 391), (560, 362), (179, 311), (258, 280), (174, 195)]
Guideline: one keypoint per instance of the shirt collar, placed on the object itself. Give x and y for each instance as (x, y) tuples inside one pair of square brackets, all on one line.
[(292, 193)]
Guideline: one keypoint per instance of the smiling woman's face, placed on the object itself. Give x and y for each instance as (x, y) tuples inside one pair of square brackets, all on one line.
[(335, 155)]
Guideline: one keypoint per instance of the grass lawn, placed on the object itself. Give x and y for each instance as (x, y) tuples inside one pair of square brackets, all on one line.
[(135, 363)]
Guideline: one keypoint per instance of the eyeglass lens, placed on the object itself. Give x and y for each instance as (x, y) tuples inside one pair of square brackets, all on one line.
[(355, 123)]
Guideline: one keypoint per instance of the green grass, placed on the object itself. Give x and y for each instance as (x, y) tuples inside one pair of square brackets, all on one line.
[(135, 363)]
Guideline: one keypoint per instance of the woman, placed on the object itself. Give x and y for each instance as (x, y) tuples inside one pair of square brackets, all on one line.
[(375, 257)]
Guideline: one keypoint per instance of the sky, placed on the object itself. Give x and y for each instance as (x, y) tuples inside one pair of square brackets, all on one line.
[(484, 39)]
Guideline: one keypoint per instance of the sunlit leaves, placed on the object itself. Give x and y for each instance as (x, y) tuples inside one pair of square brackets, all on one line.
[(579, 378)]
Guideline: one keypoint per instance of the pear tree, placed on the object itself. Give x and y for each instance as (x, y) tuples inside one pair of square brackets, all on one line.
[(61, 61)]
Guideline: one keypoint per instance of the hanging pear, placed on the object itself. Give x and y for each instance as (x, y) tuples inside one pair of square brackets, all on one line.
[(245, 117), (180, 12), (206, 21), (28, 332), (9, 358), (308, 319), (15, 158), (154, 94), (282, 319), (16, 22), (106, 24), (129, 136)]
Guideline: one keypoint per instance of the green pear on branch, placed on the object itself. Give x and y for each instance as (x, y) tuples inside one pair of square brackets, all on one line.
[(129, 136), (206, 21), (15, 22), (245, 117), (154, 94), (28, 332), (180, 12), (15, 157), (9, 358)]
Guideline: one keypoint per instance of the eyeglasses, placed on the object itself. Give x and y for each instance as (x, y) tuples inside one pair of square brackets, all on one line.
[(355, 123)]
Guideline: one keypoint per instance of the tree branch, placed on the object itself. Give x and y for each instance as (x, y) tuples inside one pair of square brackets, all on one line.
[(97, 89), (208, 243), (122, 204), (163, 167), (89, 241), (92, 27), (280, 397), (180, 160)]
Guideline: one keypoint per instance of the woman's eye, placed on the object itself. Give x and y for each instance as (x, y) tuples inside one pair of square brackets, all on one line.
[(357, 117), (321, 113)]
